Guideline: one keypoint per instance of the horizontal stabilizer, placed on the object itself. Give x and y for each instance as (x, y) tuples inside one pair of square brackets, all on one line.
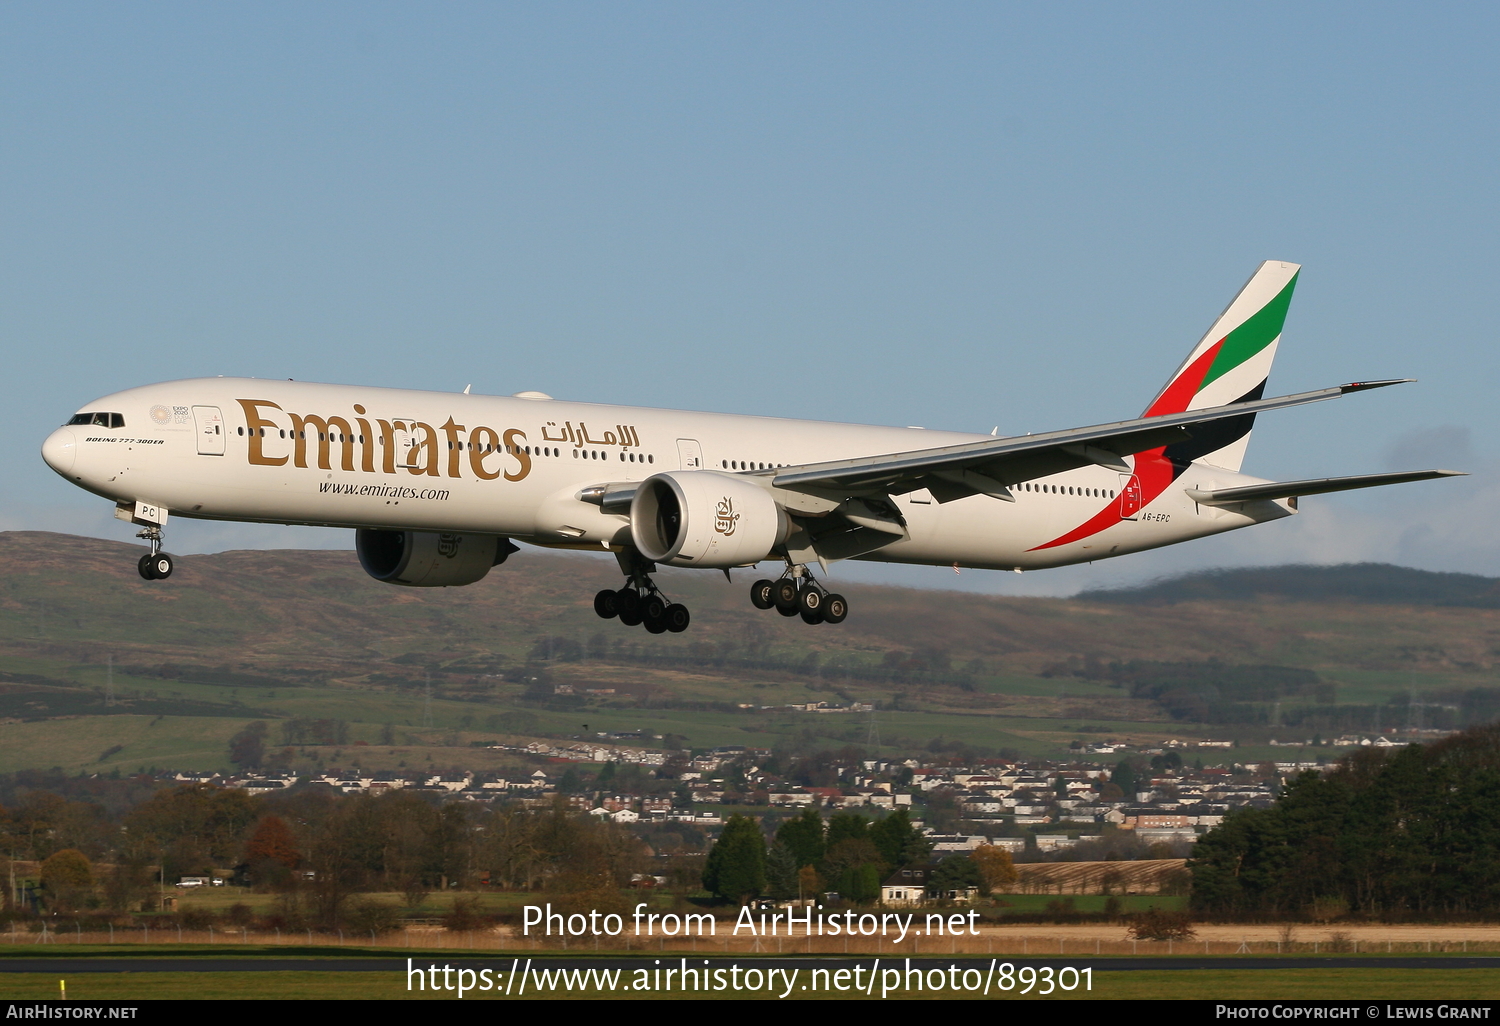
[(1316, 486)]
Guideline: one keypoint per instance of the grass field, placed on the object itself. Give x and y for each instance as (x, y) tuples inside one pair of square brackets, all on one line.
[(1360, 985), (202, 743)]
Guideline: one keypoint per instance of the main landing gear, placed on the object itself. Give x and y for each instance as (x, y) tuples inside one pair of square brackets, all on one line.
[(155, 565), (797, 594), (641, 603)]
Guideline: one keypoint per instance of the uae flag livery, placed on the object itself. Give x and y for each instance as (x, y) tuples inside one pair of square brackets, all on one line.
[(1230, 364)]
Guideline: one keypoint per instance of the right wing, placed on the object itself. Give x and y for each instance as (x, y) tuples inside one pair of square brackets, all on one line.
[(991, 466)]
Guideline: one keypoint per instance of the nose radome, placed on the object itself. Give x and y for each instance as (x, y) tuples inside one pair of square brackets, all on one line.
[(59, 450)]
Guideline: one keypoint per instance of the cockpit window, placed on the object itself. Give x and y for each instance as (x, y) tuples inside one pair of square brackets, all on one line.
[(109, 420)]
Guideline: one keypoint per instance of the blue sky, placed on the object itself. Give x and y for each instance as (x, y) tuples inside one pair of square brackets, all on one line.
[(956, 215)]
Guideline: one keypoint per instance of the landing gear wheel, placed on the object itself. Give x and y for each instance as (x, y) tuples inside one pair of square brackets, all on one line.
[(640, 602), (760, 594), (835, 608), (810, 603), (144, 566), (653, 607), (160, 566), (784, 594)]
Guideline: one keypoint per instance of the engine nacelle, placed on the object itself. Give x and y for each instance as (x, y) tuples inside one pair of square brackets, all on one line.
[(427, 559), (707, 519)]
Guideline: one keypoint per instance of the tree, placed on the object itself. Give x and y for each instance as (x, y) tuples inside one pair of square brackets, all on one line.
[(781, 872), (271, 852), (1171, 762), (68, 877), (803, 836), (248, 747), (809, 883), (843, 826), (854, 867), (860, 883), (996, 870), (273, 841), (954, 873), (198, 826), (1124, 777), (898, 841), (736, 866)]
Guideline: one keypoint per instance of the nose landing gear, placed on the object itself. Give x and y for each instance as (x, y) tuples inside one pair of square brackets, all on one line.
[(798, 594), (155, 565)]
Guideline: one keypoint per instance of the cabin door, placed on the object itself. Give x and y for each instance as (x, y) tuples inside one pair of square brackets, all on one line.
[(690, 453), (210, 424)]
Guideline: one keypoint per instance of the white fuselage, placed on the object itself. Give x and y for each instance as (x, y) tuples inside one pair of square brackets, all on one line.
[(268, 451)]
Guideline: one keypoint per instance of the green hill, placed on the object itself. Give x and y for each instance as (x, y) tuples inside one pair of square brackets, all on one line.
[(1355, 582), (305, 637)]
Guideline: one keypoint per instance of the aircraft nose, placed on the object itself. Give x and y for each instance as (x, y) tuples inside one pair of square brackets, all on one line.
[(60, 449)]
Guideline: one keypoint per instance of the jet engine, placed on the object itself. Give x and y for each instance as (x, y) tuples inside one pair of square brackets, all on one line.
[(702, 518), (427, 559)]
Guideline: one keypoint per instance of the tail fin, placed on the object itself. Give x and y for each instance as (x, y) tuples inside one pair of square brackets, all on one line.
[(1230, 364)]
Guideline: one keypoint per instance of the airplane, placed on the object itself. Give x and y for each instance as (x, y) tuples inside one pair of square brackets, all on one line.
[(437, 485)]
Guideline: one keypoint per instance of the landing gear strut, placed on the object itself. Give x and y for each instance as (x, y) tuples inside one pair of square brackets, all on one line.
[(796, 593), (641, 602), (155, 565)]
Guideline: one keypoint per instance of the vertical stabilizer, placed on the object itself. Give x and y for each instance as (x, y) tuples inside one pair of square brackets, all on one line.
[(1230, 364)]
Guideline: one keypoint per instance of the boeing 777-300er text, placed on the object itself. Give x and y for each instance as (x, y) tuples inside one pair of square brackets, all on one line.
[(436, 484)]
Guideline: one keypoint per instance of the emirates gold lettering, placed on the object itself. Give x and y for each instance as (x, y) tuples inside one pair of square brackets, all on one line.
[(454, 433), (428, 446), (388, 431), (523, 458), (255, 422), (419, 456), (483, 442), (366, 442)]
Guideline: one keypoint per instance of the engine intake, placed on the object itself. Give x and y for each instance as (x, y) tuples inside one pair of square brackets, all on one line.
[(427, 559), (703, 518)]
